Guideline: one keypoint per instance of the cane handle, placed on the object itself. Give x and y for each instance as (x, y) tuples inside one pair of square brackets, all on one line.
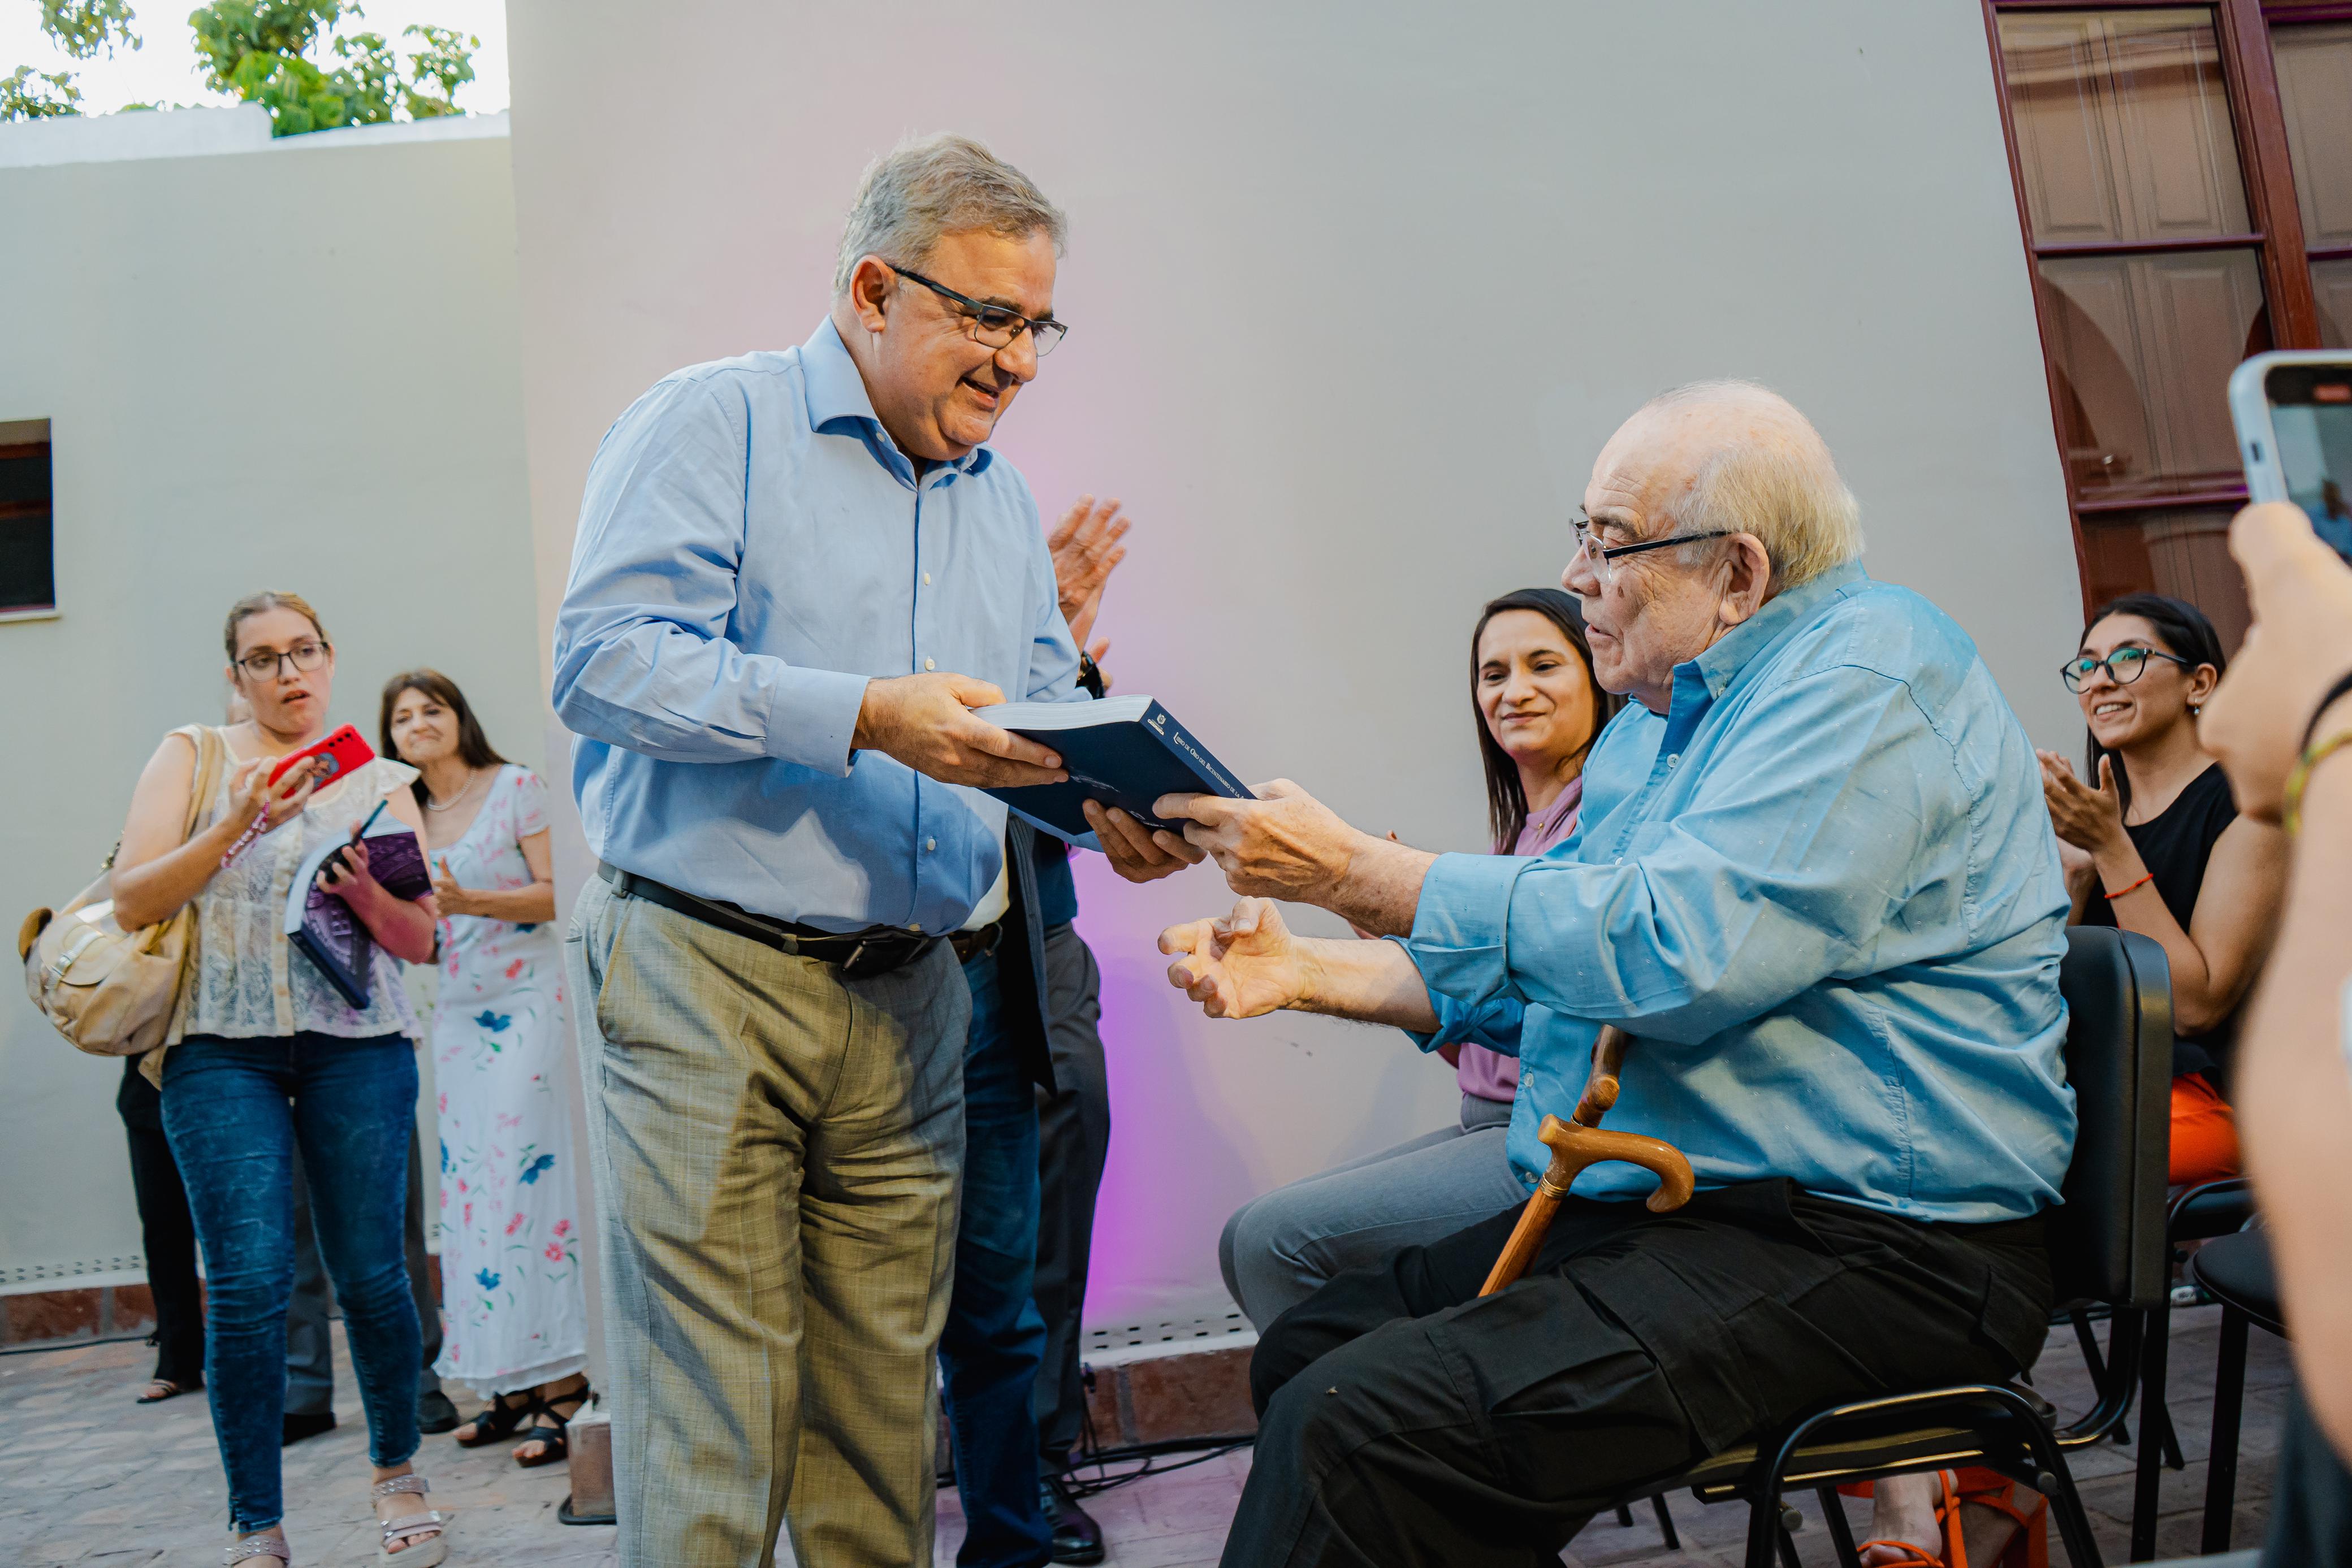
[(1574, 1148)]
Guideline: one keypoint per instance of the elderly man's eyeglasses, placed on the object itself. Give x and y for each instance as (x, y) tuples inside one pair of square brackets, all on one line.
[(995, 325), (2123, 667), (261, 664), (1602, 555)]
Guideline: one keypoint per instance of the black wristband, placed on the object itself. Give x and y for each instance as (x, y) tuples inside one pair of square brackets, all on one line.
[(1090, 674), (2343, 685)]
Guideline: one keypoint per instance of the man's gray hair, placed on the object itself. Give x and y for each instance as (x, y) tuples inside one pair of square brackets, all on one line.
[(1779, 484), (923, 190)]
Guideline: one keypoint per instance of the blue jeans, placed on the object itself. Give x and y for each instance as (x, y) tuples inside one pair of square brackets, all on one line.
[(235, 1111), (996, 1339)]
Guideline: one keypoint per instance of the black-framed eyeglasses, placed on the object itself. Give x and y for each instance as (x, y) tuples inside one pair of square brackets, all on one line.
[(261, 664), (2123, 667), (1589, 544), (994, 325)]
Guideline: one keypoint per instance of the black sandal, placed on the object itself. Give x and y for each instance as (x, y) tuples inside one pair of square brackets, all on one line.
[(556, 1446), (170, 1389), (498, 1419)]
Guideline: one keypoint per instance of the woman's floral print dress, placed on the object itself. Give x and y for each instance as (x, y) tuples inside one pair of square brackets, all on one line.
[(511, 1302)]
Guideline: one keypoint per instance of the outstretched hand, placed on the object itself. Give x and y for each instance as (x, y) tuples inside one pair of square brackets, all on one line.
[(1283, 844), (1243, 964)]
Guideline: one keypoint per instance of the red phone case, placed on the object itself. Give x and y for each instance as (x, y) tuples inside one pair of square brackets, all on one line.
[(339, 754)]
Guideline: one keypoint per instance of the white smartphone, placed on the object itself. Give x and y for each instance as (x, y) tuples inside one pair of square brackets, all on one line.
[(2294, 414)]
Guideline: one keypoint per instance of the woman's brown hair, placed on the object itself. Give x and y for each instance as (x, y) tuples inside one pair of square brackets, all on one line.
[(472, 747), (254, 604)]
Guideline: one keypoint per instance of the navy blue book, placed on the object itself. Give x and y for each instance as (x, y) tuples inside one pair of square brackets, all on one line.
[(1120, 751), (322, 927)]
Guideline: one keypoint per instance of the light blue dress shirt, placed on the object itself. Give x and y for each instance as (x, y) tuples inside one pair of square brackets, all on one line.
[(1822, 893), (753, 547)]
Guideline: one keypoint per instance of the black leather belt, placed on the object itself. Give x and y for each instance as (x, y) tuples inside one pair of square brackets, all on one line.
[(856, 954), (970, 944)]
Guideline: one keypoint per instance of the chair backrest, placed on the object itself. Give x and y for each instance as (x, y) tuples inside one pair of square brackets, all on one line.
[(2107, 1241)]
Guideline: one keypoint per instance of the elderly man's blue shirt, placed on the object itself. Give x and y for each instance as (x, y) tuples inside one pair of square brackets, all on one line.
[(1822, 893), (752, 549)]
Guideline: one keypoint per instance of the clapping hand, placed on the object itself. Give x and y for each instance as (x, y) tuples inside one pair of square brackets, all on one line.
[(1085, 548), (2088, 819), (448, 896), (1246, 964)]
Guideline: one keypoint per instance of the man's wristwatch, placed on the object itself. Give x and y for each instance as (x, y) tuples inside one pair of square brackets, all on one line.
[(1090, 674)]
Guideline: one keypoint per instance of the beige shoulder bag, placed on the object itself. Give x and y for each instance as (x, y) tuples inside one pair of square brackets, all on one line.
[(109, 991)]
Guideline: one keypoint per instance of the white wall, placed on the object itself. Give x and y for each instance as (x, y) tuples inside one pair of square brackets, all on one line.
[(294, 366), (1357, 292)]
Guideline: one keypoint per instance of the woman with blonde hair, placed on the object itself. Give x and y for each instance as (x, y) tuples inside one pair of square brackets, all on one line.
[(266, 1055)]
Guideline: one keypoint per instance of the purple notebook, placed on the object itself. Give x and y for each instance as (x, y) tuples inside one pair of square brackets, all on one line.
[(322, 927)]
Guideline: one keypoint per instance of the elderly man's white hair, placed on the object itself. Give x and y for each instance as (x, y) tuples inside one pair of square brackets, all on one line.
[(1776, 481), (925, 189)]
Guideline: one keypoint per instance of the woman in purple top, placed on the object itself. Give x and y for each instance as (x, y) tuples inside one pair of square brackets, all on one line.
[(1539, 711)]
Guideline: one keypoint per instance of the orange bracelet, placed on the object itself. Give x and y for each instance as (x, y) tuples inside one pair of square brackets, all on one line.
[(2121, 890)]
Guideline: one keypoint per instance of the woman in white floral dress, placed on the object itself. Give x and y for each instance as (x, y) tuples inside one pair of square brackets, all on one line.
[(514, 1315)]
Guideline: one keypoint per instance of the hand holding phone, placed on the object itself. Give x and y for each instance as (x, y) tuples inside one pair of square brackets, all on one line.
[(2293, 409), (339, 754)]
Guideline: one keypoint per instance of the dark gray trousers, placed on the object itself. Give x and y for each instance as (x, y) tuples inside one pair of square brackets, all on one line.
[(310, 1348), (1073, 1141)]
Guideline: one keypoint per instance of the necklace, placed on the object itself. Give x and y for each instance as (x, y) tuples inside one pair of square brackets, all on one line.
[(433, 805)]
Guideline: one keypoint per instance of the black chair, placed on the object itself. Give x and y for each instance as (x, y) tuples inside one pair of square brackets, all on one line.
[(2194, 1214), (2107, 1246), (2236, 1271)]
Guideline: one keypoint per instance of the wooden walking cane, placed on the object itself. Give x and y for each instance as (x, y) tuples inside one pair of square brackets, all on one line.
[(1580, 1142)]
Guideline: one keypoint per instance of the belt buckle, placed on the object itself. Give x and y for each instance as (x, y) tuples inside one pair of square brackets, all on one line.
[(852, 967)]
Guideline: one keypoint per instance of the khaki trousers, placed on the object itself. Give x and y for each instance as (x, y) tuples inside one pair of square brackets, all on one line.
[(775, 1152)]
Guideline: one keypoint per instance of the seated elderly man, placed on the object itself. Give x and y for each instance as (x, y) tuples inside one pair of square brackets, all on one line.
[(1816, 881)]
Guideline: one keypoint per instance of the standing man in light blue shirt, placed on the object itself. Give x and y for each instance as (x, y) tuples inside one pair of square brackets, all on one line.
[(1815, 880), (796, 574)]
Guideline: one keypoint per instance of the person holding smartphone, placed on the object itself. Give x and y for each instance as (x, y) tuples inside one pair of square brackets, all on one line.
[(2282, 724), (264, 1054)]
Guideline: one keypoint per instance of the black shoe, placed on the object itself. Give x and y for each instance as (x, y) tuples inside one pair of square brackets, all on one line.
[(434, 1413), (300, 1425), (1076, 1537)]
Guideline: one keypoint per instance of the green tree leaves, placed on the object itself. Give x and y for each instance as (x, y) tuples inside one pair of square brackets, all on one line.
[(262, 50), (82, 28), (47, 96), (284, 55)]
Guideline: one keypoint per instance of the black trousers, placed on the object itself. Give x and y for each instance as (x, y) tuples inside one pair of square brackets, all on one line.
[(1403, 1420), (1072, 1142), (167, 1233)]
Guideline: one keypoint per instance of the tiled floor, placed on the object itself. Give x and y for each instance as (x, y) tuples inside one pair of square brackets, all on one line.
[(86, 1477)]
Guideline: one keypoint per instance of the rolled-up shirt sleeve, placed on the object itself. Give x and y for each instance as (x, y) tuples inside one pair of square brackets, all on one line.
[(1769, 883), (642, 655), (1493, 1023)]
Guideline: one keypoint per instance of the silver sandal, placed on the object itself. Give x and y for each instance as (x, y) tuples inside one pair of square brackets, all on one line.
[(253, 1546), (426, 1527)]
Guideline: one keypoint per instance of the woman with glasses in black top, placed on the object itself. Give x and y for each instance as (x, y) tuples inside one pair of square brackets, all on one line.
[(2153, 844)]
